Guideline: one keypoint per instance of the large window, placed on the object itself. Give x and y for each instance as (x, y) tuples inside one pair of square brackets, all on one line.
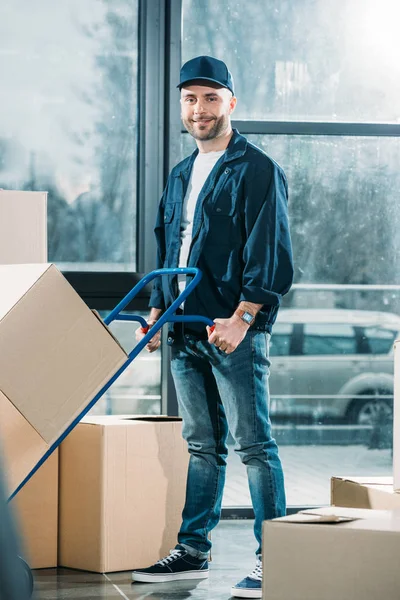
[(311, 60), (68, 123), (317, 87)]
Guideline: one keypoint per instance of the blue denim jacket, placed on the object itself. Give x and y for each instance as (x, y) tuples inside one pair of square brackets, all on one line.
[(241, 240)]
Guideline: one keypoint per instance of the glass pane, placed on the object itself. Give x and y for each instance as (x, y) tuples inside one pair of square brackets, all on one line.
[(280, 342), (344, 194), (138, 389), (68, 123), (380, 341), (343, 201), (324, 338), (333, 61), (327, 419)]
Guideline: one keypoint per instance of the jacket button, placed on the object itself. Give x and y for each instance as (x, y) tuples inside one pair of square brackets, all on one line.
[(170, 340), (227, 171)]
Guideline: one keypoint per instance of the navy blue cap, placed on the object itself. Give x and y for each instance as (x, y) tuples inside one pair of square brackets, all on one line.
[(208, 69)]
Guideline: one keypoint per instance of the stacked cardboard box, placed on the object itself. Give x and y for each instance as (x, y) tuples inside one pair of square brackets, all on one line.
[(122, 480), (37, 508), (23, 239), (332, 553), (122, 490), (55, 356), (23, 227), (349, 550), (364, 492)]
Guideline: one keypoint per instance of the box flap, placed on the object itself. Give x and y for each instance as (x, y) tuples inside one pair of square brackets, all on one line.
[(301, 517), (122, 419), (349, 513), (370, 481), (335, 514), (98, 317)]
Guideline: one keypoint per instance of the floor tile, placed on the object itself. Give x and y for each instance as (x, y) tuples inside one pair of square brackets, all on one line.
[(232, 558)]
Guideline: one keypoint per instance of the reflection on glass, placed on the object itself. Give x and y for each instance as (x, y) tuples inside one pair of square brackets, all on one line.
[(334, 61), (331, 379), (331, 394), (138, 389), (344, 194), (68, 122)]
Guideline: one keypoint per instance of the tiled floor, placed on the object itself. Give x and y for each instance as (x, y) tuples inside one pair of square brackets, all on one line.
[(307, 469), (233, 558)]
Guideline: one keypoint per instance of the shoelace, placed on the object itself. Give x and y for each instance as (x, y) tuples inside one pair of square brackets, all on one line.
[(257, 573), (172, 556)]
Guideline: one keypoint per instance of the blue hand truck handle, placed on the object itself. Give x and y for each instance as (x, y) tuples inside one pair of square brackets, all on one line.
[(169, 315)]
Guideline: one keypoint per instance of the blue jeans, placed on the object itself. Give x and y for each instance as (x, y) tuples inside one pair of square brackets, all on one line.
[(217, 392)]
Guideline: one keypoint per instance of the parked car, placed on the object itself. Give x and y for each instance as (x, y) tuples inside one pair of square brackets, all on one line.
[(333, 363)]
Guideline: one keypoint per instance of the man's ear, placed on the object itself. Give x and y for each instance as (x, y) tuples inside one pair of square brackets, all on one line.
[(232, 104)]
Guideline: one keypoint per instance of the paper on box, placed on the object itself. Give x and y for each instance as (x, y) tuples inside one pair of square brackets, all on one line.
[(354, 558), (122, 490), (23, 227)]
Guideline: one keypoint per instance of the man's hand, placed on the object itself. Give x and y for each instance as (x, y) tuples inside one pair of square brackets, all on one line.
[(228, 333), (155, 341)]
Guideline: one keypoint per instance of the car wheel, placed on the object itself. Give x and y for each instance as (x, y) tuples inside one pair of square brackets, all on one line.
[(373, 410)]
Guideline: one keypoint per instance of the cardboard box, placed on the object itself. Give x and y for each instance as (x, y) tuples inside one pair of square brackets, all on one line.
[(364, 492), (332, 554), (55, 356), (122, 491), (396, 418), (23, 227), (36, 508)]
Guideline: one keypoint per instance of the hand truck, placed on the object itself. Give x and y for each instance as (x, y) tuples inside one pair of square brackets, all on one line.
[(168, 316)]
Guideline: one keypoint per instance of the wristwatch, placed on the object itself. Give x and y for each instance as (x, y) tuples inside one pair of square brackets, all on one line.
[(245, 316)]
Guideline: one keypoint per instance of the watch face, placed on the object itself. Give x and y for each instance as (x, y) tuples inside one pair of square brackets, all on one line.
[(247, 317)]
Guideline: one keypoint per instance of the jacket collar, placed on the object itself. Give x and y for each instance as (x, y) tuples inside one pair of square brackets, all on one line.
[(236, 148)]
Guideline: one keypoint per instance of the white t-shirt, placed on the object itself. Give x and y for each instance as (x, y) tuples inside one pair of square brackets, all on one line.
[(202, 167)]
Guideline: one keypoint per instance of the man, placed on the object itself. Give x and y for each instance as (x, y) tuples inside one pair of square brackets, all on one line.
[(224, 210)]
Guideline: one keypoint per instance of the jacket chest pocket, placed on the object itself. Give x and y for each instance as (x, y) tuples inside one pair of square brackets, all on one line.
[(224, 205), (220, 220)]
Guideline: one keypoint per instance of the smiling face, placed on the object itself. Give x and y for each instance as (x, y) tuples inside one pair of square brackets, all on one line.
[(206, 110)]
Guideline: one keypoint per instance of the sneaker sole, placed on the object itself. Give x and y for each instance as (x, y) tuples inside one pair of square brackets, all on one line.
[(148, 578), (243, 593)]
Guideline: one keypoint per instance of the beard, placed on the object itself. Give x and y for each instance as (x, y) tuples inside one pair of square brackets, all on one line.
[(209, 131)]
